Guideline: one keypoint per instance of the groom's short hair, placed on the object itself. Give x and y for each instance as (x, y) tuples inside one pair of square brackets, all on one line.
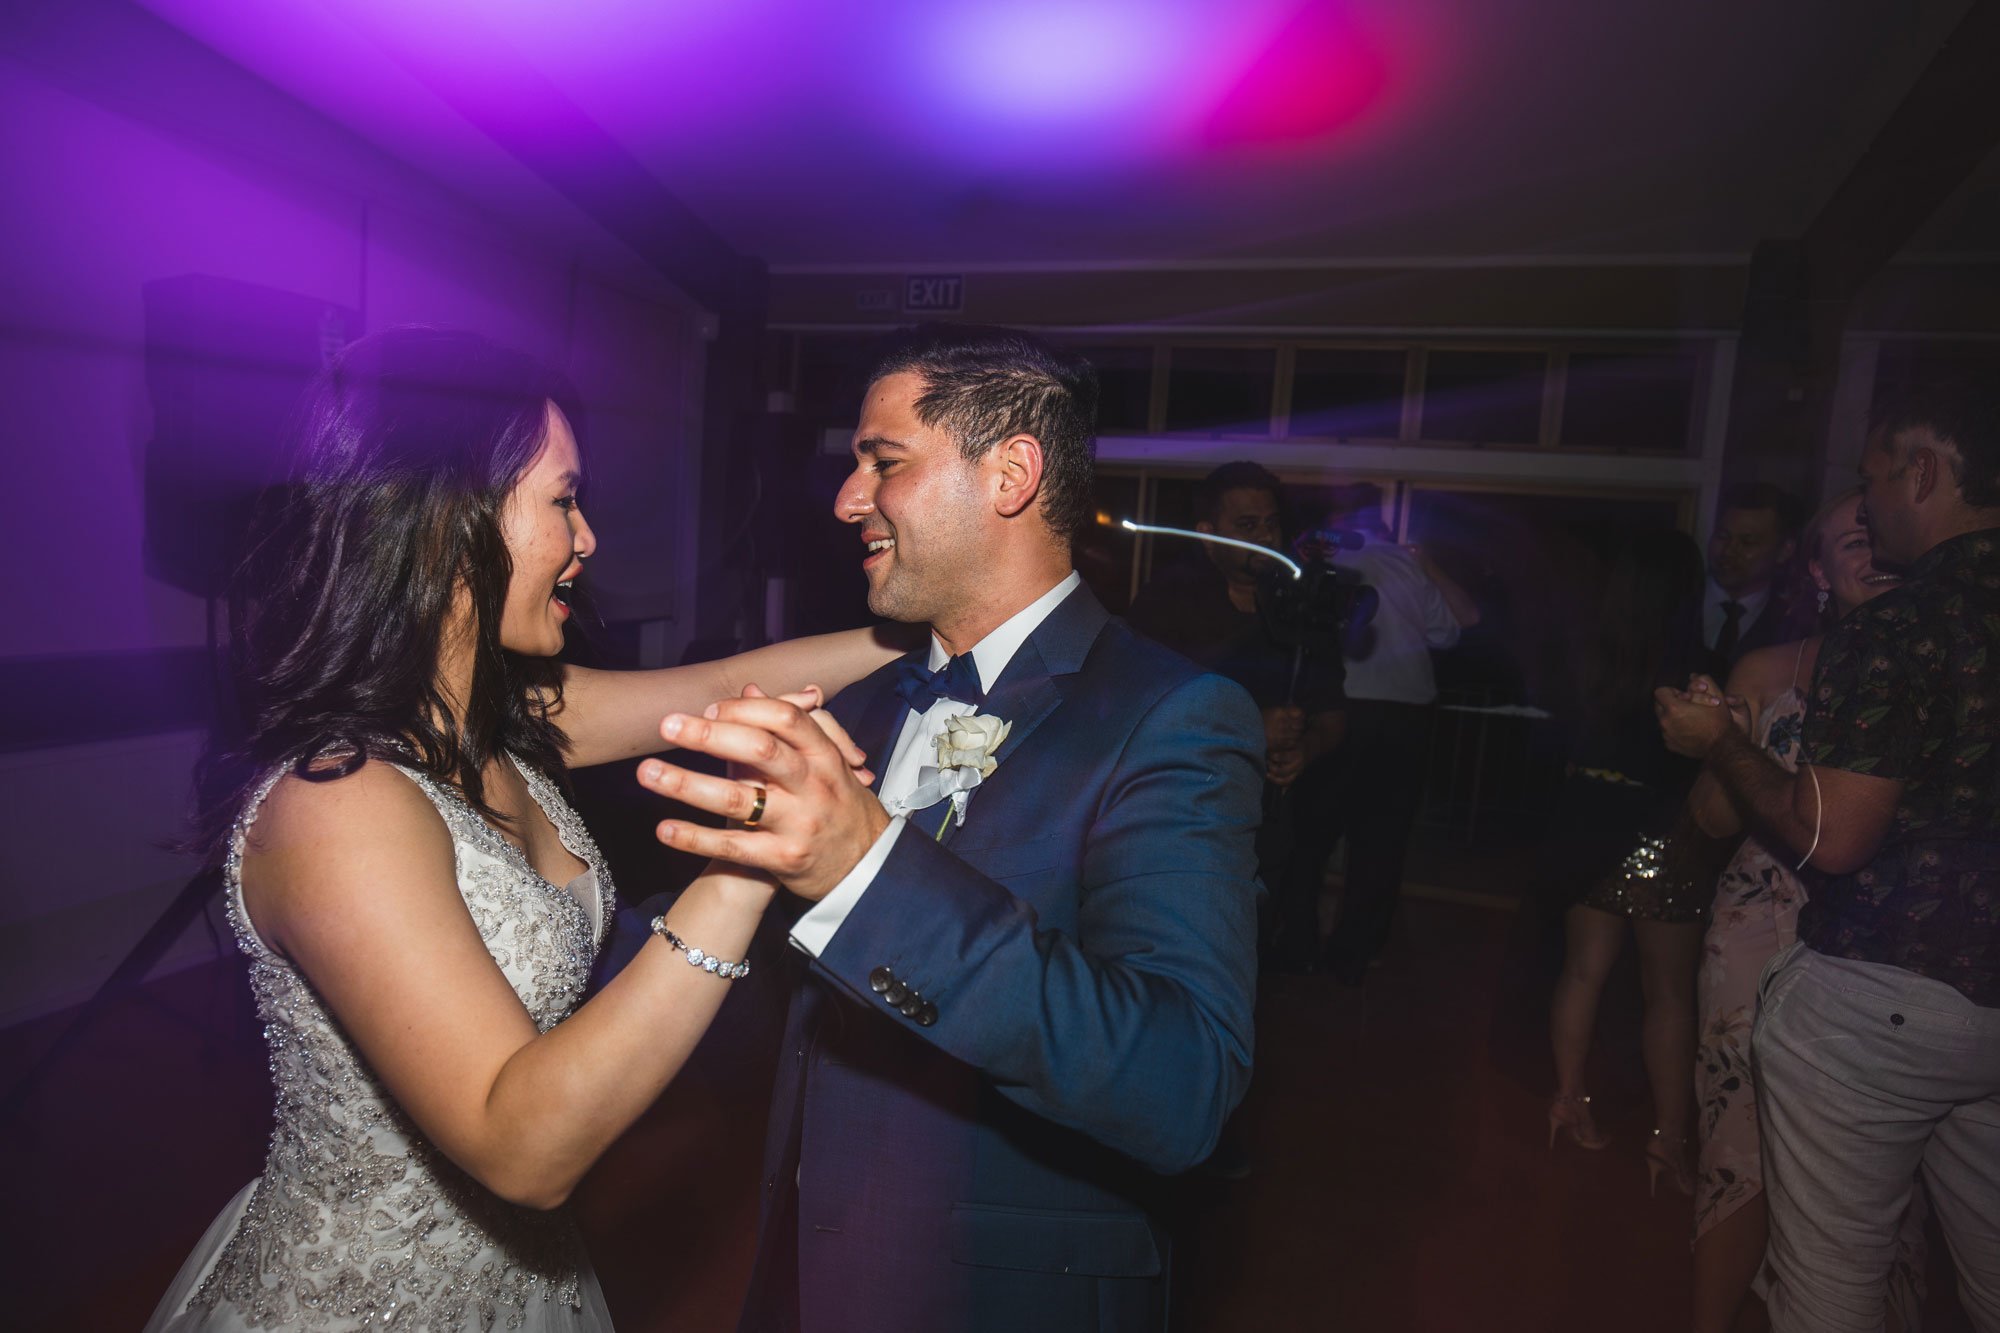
[(985, 384)]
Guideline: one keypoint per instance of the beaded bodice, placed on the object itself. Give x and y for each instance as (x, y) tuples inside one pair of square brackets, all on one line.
[(357, 1220)]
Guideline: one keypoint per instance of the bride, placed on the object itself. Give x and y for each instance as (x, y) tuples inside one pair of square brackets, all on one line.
[(419, 905)]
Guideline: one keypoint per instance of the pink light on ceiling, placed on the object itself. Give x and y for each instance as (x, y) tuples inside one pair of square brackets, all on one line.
[(1079, 88), (899, 126), (1318, 74)]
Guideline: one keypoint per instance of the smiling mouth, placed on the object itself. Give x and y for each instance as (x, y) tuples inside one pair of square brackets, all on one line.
[(562, 593), (1879, 580), (878, 546)]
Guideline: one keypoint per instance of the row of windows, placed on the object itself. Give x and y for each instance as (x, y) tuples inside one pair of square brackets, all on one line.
[(1523, 539), (1627, 400)]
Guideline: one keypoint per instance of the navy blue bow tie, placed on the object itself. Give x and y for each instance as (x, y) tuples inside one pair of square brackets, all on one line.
[(920, 687)]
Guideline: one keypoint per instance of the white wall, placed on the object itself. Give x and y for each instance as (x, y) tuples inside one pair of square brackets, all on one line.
[(106, 192)]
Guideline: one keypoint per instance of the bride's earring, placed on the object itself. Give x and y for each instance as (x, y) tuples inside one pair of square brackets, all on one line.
[(1822, 601)]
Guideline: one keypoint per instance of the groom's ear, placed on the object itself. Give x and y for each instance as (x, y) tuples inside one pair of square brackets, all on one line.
[(1017, 472)]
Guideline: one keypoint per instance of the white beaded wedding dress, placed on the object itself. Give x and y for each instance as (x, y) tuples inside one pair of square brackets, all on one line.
[(357, 1221)]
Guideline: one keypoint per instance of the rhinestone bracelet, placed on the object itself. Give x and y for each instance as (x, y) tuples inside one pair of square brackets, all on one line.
[(707, 962)]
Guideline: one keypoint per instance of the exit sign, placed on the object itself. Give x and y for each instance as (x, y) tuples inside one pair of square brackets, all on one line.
[(934, 293)]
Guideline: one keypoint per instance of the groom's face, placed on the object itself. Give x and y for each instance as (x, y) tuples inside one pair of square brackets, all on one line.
[(920, 509)]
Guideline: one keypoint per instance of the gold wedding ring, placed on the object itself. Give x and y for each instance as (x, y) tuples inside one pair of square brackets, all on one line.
[(756, 810)]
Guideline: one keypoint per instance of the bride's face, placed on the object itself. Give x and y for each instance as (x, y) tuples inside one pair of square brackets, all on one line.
[(547, 539)]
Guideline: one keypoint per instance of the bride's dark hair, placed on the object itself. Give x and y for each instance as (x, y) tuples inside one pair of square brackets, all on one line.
[(407, 447)]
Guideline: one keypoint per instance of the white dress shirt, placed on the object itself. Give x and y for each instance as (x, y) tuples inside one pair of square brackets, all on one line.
[(1712, 614), (914, 745), (1392, 658)]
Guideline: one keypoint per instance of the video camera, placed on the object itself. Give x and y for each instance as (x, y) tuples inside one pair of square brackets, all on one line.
[(1322, 609), (1307, 604)]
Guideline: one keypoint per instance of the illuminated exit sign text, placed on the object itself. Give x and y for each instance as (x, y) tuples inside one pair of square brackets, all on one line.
[(934, 293)]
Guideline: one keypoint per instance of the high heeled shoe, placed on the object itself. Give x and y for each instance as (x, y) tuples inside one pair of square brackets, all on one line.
[(1673, 1156), (1573, 1114)]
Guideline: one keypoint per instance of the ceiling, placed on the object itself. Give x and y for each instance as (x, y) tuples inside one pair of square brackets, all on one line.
[(819, 135)]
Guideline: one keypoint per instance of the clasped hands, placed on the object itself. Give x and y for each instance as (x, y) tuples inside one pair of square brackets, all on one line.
[(1695, 719), (819, 817)]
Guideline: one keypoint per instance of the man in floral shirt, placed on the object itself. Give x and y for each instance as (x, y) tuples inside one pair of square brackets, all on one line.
[(1877, 1043)]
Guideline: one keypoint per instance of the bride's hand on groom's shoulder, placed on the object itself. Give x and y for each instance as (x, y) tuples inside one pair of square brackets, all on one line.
[(818, 817)]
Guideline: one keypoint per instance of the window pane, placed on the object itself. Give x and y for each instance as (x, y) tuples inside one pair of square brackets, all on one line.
[(1124, 386), (1536, 564), (1222, 390), (1616, 400), (1484, 397), (1348, 394), (1103, 553), (1173, 506), (1904, 360)]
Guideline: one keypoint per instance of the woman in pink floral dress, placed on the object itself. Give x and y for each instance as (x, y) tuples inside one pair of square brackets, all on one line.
[(1757, 901)]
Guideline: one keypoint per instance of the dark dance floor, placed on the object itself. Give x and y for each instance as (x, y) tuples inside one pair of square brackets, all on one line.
[(1401, 1177)]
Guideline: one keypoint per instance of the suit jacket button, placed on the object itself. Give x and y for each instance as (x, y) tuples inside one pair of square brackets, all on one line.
[(895, 992), (926, 1014), (880, 979), (911, 1007)]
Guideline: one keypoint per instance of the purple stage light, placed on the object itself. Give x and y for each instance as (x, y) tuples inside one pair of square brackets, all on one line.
[(883, 128), (1083, 89), (1080, 81)]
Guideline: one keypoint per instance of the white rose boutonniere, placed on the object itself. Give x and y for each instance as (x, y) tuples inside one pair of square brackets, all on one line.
[(969, 742), (964, 760)]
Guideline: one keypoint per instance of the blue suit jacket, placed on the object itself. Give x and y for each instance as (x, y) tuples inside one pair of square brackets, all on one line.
[(1086, 942)]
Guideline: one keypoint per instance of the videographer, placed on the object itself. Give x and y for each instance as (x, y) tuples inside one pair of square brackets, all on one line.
[(1370, 789), (1204, 604)]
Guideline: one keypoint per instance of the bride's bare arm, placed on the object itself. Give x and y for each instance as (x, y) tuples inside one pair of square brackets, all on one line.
[(612, 715), (354, 881)]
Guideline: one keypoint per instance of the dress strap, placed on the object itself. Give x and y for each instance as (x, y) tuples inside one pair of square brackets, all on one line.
[(247, 937), (1799, 660)]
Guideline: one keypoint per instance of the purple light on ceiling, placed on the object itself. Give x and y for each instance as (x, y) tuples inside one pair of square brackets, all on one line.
[(1087, 80), (1114, 84), (1055, 86), (937, 124)]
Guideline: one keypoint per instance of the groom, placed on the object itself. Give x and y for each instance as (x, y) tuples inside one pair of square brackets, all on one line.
[(1027, 968)]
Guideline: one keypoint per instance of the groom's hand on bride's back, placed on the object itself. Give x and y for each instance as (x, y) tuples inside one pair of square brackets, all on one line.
[(818, 819)]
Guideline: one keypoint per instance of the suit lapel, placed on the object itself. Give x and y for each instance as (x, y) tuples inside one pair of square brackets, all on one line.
[(1032, 685), (1024, 695), (1027, 692)]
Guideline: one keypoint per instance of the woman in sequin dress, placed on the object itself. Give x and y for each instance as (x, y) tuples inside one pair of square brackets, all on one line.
[(1615, 851), (1757, 901), (419, 905)]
